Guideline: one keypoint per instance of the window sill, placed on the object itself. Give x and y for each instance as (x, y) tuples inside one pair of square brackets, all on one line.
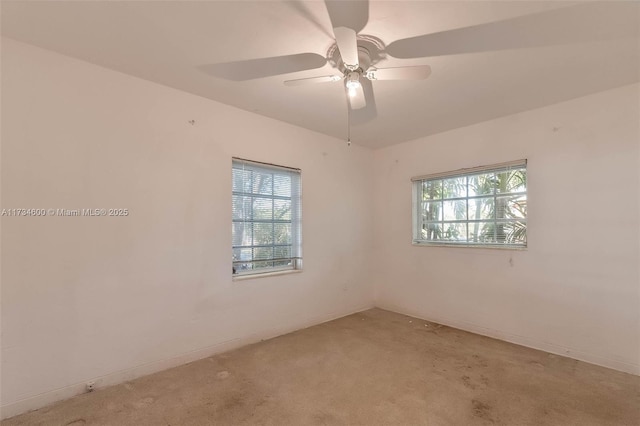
[(244, 277), (479, 246)]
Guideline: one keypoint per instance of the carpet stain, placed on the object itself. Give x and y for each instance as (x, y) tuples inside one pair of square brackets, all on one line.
[(482, 410), (232, 402), (466, 380), (481, 361)]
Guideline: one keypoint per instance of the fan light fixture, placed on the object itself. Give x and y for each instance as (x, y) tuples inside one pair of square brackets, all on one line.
[(352, 88), (353, 83)]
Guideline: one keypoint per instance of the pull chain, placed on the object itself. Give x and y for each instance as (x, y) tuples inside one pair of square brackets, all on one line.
[(348, 124)]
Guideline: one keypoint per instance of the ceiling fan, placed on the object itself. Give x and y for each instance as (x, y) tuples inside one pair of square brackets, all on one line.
[(355, 55), (354, 60)]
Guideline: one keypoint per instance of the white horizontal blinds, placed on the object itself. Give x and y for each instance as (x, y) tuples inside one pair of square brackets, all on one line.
[(266, 217), (471, 170), (481, 206)]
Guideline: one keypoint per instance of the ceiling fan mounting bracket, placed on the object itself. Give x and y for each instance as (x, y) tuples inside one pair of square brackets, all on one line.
[(371, 50)]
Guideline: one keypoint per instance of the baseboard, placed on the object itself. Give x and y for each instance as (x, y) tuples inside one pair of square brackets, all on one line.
[(122, 376), (519, 340), (117, 377)]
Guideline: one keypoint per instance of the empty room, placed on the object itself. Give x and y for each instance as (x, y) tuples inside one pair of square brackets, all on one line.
[(320, 213)]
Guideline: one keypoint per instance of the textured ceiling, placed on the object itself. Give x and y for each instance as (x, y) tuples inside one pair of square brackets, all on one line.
[(488, 59)]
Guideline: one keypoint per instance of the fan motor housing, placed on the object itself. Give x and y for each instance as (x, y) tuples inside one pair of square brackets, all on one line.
[(370, 52)]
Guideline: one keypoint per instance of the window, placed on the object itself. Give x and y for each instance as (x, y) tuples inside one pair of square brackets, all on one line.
[(483, 206), (266, 228)]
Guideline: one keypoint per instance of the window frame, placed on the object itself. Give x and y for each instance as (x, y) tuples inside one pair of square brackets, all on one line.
[(418, 183), (295, 199)]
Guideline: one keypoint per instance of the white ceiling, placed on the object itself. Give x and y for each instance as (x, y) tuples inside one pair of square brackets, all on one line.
[(488, 59)]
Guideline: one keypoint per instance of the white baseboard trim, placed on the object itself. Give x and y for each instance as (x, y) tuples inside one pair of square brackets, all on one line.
[(122, 376), (49, 397), (519, 340)]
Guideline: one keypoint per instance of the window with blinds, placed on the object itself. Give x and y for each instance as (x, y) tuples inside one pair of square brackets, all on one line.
[(483, 206), (266, 228)]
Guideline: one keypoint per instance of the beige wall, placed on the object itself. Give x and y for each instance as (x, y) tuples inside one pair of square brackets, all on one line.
[(111, 298), (575, 290)]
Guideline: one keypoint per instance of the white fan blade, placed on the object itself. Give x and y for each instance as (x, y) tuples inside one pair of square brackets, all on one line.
[(312, 80), (419, 72), (357, 100), (348, 46), (264, 67), (589, 22), (351, 14)]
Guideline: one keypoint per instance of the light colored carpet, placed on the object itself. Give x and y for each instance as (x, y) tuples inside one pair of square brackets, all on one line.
[(371, 368)]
